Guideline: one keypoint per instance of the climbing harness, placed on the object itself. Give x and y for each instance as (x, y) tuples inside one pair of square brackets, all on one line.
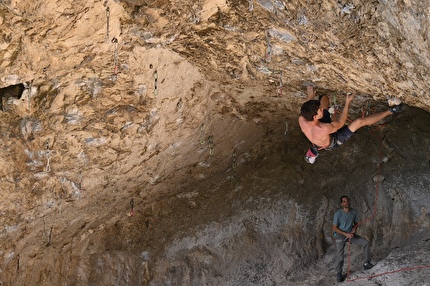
[(155, 83), (202, 134), (311, 155), (268, 50), (107, 22), (115, 55), (211, 144)]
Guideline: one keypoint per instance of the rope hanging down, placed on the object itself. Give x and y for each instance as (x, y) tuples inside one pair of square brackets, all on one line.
[(370, 218)]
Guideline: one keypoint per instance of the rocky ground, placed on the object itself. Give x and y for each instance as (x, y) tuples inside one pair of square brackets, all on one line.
[(156, 142)]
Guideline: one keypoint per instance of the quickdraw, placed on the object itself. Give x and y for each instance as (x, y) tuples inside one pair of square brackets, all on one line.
[(202, 134), (44, 230), (268, 50), (49, 237), (48, 166), (211, 144), (29, 96), (155, 83), (132, 207), (280, 85), (107, 22), (115, 55), (48, 153), (365, 110), (251, 5), (234, 161)]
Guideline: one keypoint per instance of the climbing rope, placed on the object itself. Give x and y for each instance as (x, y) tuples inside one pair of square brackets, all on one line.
[(391, 272), (373, 214), (370, 218)]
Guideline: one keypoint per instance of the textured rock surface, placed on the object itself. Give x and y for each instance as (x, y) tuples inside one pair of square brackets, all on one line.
[(156, 142)]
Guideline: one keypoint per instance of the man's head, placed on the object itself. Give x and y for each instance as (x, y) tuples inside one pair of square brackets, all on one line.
[(345, 202), (310, 109)]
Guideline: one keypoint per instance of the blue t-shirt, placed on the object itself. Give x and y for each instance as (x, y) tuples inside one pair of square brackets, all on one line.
[(345, 220)]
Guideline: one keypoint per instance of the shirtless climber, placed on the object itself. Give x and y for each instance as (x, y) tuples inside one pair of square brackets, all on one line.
[(316, 124)]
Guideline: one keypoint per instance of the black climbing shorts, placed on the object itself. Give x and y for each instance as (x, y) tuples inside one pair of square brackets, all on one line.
[(339, 137)]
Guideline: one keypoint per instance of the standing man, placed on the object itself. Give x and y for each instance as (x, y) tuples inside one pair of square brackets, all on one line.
[(316, 124), (344, 225)]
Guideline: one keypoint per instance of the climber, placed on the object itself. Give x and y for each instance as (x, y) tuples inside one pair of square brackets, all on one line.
[(316, 124), (345, 223)]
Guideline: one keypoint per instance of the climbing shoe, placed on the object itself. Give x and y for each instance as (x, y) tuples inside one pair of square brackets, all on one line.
[(368, 266), (396, 109), (339, 277)]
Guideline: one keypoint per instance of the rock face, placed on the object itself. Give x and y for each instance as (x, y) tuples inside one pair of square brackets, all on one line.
[(156, 142)]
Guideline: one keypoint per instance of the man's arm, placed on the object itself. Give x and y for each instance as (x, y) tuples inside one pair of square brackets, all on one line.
[(311, 92), (346, 234), (340, 122)]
